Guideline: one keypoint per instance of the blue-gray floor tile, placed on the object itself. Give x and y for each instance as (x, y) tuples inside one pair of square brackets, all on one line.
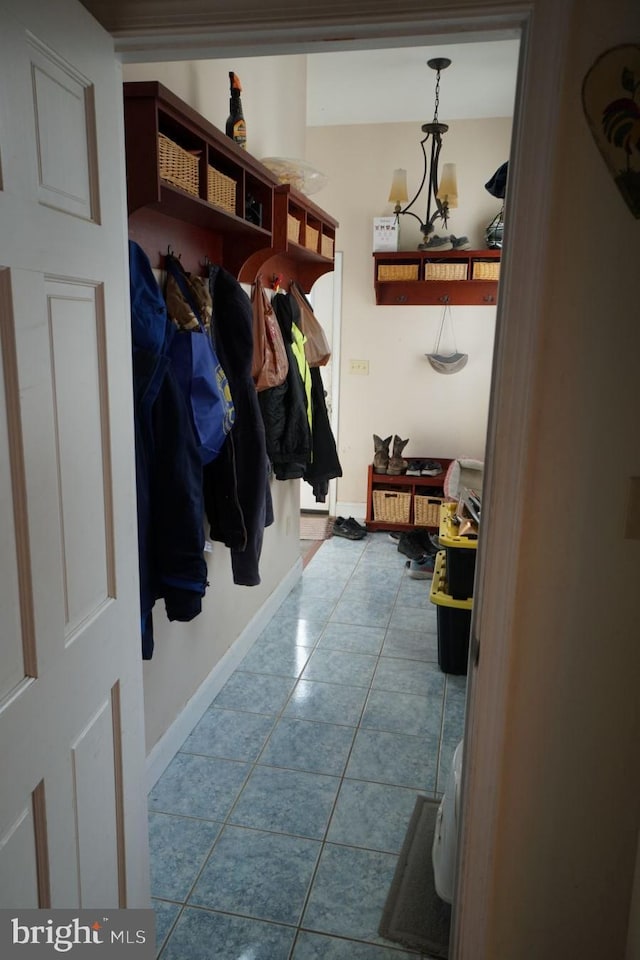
[(307, 608), (326, 702), (410, 645), (292, 630), (229, 734), (349, 891), (316, 946), (337, 666), (255, 692), (416, 593), (372, 815), (352, 638), (305, 745), (235, 938), (326, 588), (404, 713), (412, 618), (276, 658), (394, 758), (454, 713), (261, 875), (364, 589), (178, 847), (286, 801), (213, 786), (408, 676), (370, 613), (165, 914)]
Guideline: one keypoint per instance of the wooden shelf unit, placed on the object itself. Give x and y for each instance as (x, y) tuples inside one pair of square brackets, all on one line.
[(163, 215), (420, 291), (426, 486)]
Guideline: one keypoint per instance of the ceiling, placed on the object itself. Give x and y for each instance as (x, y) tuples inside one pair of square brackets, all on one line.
[(396, 85)]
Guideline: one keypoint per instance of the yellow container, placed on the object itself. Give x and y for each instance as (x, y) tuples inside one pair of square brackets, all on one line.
[(439, 593)]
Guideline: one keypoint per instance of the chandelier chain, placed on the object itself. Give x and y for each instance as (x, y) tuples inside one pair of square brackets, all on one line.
[(437, 104)]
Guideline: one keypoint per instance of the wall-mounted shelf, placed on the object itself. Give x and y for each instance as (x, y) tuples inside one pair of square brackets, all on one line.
[(189, 186), (411, 278)]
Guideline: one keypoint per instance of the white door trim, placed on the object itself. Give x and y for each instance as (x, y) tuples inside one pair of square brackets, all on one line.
[(544, 27)]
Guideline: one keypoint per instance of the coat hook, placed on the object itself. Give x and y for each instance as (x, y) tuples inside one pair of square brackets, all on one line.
[(169, 250), (206, 263), (276, 280)]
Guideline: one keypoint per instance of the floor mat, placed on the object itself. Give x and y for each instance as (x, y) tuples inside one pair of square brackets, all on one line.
[(315, 526), (414, 915)]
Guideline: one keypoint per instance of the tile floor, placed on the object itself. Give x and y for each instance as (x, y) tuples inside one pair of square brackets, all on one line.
[(276, 829)]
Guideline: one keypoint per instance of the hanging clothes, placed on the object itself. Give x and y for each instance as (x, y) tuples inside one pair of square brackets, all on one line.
[(285, 409), (168, 466), (236, 485), (324, 465)]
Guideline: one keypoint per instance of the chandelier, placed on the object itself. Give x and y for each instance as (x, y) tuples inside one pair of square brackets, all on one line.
[(442, 192)]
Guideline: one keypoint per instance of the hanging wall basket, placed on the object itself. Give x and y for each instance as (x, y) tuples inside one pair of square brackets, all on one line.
[(446, 362)]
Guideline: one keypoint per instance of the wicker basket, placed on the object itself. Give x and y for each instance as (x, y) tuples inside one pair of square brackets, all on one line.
[(178, 166), (445, 271), (426, 511), (398, 271), (293, 228), (221, 190), (486, 270), (311, 238), (392, 506), (326, 246)]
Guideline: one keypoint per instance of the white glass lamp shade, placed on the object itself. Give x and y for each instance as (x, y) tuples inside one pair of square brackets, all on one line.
[(448, 189), (398, 192)]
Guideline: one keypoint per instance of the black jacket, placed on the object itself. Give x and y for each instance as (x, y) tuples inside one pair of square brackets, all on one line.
[(324, 465), (168, 467), (236, 485), (284, 408)]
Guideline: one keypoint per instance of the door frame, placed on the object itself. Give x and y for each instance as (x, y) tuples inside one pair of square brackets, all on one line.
[(543, 28)]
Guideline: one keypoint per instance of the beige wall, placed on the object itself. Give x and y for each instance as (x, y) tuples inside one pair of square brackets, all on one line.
[(274, 96), (442, 415)]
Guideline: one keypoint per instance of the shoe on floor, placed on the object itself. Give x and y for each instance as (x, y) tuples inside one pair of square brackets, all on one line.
[(394, 536), (350, 529), (421, 569)]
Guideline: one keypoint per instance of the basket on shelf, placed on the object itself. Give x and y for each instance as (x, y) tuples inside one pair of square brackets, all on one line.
[(486, 270), (426, 511), (326, 246), (221, 190), (293, 228), (391, 506), (178, 166), (397, 271), (311, 238), (445, 271)]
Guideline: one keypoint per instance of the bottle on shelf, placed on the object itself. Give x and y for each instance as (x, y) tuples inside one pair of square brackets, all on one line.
[(236, 127)]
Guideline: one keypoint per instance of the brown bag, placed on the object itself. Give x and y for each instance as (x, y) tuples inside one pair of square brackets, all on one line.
[(270, 365), (316, 349)]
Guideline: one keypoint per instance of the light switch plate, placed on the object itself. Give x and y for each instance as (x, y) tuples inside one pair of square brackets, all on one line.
[(359, 366)]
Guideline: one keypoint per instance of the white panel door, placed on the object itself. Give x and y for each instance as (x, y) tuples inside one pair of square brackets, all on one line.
[(72, 800)]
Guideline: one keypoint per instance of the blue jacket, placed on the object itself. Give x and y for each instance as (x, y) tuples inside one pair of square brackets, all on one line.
[(168, 466)]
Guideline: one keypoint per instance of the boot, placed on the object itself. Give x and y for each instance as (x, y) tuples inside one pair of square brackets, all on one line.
[(381, 455), (397, 463)]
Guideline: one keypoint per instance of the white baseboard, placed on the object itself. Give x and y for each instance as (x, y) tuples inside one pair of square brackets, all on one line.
[(356, 510), (168, 745)]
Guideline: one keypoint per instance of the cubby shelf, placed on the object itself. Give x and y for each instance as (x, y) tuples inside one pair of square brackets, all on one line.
[(420, 486), (246, 231), (420, 290)]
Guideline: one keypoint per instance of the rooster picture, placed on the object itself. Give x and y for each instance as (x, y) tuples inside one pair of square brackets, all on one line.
[(611, 100)]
